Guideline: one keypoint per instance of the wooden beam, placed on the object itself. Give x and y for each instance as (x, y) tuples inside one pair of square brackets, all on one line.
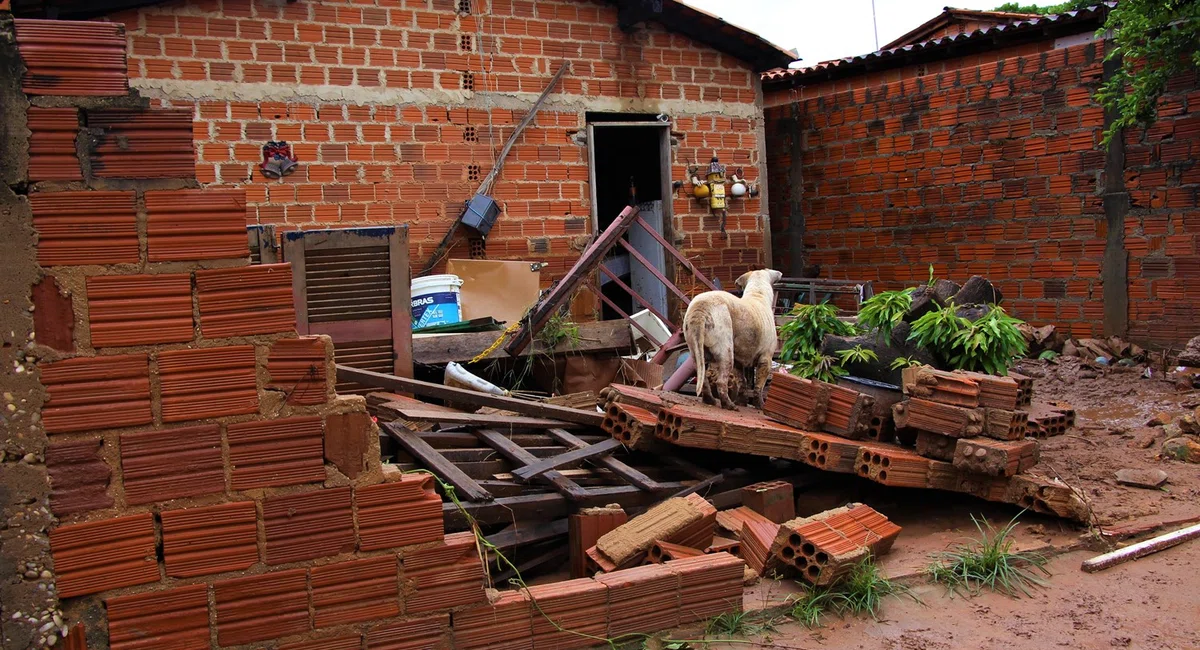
[(613, 465), (463, 396), (453, 439), (418, 414), (517, 535), (435, 462), (532, 470), (610, 337), (519, 455), (544, 507)]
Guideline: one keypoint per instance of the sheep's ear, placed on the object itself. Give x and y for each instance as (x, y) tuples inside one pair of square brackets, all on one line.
[(776, 276), (741, 282)]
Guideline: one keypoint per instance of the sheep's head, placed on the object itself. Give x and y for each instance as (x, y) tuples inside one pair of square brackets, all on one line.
[(767, 277)]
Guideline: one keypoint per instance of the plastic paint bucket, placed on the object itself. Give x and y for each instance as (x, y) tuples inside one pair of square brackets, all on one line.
[(435, 301)]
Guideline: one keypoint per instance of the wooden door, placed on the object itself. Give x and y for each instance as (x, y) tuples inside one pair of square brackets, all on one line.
[(354, 286)]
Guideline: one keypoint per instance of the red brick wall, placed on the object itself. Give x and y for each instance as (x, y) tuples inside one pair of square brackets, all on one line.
[(373, 99), (991, 164)]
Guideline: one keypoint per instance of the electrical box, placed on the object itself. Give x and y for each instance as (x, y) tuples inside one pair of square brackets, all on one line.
[(481, 214)]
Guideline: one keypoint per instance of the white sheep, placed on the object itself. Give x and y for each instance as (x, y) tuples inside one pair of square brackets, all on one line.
[(733, 334)]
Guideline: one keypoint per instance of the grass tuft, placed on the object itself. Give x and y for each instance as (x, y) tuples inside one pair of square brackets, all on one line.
[(860, 592), (735, 624), (989, 562)]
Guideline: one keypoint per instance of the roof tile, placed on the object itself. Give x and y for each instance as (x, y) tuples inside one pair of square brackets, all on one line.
[(213, 539), (85, 227), (100, 555), (88, 393), (153, 462), (127, 310)]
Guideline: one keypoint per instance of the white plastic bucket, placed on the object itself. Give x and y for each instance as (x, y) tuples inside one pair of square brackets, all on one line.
[(435, 301)]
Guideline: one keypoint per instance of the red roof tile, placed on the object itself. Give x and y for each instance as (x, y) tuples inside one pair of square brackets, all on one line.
[(52, 154), (213, 539), (152, 463), (415, 634), (271, 453), (243, 301), (78, 477), (85, 227), (505, 624), (398, 514), (358, 591), (196, 224), (262, 607), (347, 441), (297, 367), (88, 393), (444, 576), (142, 144), (53, 315), (308, 525), (72, 57), (101, 555), (127, 310), (175, 618), (207, 382)]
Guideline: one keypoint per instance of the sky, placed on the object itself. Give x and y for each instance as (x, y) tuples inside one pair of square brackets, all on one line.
[(831, 29)]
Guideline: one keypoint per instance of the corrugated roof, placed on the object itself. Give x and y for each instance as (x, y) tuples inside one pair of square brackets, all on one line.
[(994, 36), (951, 16)]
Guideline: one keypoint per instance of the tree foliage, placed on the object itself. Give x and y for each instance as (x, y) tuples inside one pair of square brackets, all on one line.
[(1153, 40), (1070, 5)]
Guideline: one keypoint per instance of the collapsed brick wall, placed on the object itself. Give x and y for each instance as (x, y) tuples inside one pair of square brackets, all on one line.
[(396, 114), (991, 164)]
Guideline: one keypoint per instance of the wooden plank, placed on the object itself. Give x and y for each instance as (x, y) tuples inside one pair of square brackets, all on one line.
[(613, 465), (462, 455), (544, 507), (463, 396), (401, 286), (532, 470), (612, 336), (418, 414), (293, 253), (517, 454), (517, 535), (437, 463), (579, 273), (454, 439)]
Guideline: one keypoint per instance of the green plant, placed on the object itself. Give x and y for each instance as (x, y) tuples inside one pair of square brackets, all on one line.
[(932, 280), (802, 336), (1071, 5), (937, 329), (856, 354), (1048, 355), (1152, 42), (883, 311), (558, 329), (737, 623), (905, 362), (821, 367), (990, 562), (989, 344), (860, 592)]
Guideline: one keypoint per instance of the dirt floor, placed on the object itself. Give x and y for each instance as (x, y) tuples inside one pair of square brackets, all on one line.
[(1150, 603)]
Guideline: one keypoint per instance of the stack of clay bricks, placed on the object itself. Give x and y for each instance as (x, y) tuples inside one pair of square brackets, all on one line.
[(819, 549), (686, 521), (837, 428)]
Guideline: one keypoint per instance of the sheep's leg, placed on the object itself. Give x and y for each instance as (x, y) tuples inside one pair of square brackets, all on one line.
[(706, 393), (762, 372), (725, 372)]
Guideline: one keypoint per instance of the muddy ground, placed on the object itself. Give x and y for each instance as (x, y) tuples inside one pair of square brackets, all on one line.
[(1152, 603)]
